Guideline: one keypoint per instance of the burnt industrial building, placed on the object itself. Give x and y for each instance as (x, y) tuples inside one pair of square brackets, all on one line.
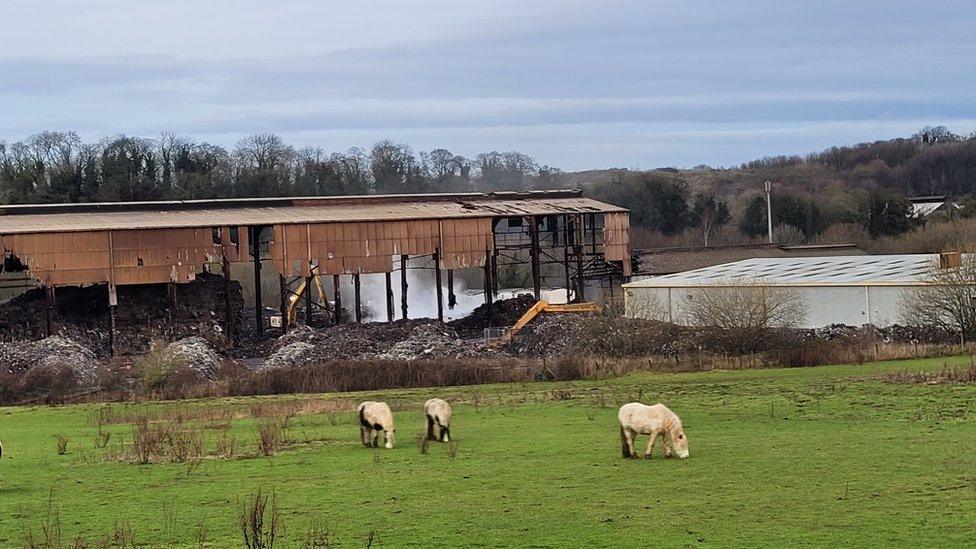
[(305, 239)]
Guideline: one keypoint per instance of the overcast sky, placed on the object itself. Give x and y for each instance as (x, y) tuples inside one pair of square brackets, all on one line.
[(575, 84)]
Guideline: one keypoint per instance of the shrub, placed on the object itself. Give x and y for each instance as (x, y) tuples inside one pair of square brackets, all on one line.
[(260, 526)]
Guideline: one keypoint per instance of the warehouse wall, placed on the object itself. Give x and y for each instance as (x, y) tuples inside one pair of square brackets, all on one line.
[(851, 305)]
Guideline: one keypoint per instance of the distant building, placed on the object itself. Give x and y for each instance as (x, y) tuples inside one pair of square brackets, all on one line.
[(837, 290), (661, 261), (925, 206)]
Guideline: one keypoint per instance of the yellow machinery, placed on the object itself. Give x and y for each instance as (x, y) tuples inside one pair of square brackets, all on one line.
[(295, 297), (546, 307)]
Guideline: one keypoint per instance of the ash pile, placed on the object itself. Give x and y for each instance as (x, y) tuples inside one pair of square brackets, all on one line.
[(143, 315), (48, 358), (504, 313), (195, 354), (402, 340)]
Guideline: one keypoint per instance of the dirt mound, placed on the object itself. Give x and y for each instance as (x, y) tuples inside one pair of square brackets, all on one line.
[(196, 354), (503, 313), (143, 314), (398, 340), (293, 355), (549, 335), (52, 353), (431, 340)]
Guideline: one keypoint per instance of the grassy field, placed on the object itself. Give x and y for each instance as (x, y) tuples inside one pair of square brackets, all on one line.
[(816, 456)]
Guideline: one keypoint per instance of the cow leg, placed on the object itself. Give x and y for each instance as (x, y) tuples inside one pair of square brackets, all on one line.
[(430, 428), (666, 442), (364, 435), (376, 438), (650, 445)]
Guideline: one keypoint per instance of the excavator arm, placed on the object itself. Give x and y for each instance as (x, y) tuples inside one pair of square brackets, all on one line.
[(545, 307)]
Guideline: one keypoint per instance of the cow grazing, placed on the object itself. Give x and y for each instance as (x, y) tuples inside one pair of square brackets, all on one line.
[(639, 419), (373, 418), (438, 413)]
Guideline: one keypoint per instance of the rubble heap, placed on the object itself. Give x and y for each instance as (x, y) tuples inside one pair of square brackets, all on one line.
[(429, 340), (503, 313), (196, 354), (399, 340), (55, 352), (143, 315)]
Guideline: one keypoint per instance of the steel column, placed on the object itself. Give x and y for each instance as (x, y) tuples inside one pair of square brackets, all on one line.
[(256, 253), (437, 284), (229, 316), (336, 300), (403, 285), (534, 255), (283, 302), (359, 302), (451, 297), (389, 297)]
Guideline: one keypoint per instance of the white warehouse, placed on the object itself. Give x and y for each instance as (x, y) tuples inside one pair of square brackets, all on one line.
[(851, 290)]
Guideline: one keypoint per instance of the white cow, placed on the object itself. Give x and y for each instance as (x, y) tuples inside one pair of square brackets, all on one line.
[(639, 419), (438, 413), (373, 418)]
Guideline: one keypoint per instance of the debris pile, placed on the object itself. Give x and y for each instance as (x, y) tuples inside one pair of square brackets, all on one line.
[(196, 354), (429, 340), (549, 335), (503, 313), (143, 315), (52, 353), (399, 340)]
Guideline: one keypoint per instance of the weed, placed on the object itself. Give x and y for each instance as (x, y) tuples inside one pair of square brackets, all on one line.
[(318, 536), (61, 444), (270, 437), (49, 534), (452, 449), (260, 526), (102, 437), (226, 444)]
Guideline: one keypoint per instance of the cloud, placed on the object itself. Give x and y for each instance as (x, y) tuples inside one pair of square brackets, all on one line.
[(436, 71)]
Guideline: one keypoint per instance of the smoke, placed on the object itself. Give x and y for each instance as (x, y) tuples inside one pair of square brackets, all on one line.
[(421, 294)]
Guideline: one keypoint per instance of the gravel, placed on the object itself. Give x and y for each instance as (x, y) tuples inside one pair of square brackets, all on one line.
[(51, 352), (196, 354)]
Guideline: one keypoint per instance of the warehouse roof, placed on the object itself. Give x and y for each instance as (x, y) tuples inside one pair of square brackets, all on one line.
[(210, 213), (893, 270)]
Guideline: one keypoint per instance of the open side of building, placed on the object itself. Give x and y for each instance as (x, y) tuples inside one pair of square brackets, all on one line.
[(170, 243), (852, 290)]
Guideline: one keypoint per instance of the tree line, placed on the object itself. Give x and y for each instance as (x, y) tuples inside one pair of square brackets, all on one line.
[(862, 186), (53, 167)]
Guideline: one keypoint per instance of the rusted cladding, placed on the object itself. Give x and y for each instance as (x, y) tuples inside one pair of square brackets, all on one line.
[(464, 242), (289, 248), (155, 256), (347, 248), (62, 258), (616, 239), (234, 251)]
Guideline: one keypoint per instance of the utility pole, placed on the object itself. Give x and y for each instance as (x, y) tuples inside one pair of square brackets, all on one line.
[(769, 211)]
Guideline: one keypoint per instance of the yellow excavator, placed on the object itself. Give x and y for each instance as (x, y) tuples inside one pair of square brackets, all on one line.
[(542, 306), (295, 297)]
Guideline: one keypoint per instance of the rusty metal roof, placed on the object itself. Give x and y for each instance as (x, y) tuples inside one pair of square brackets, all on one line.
[(213, 213)]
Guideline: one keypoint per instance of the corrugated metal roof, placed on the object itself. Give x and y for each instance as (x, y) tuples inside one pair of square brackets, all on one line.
[(212, 213), (805, 271)]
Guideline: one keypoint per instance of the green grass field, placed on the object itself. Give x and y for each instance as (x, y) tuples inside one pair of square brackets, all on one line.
[(816, 456)]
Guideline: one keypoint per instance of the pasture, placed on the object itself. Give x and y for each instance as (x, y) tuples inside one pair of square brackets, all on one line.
[(816, 456)]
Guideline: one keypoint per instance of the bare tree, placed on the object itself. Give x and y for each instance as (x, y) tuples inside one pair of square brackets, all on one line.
[(947, 300), (749, 306)]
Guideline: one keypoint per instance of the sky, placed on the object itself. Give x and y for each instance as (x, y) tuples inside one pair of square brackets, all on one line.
[(575, 84)]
